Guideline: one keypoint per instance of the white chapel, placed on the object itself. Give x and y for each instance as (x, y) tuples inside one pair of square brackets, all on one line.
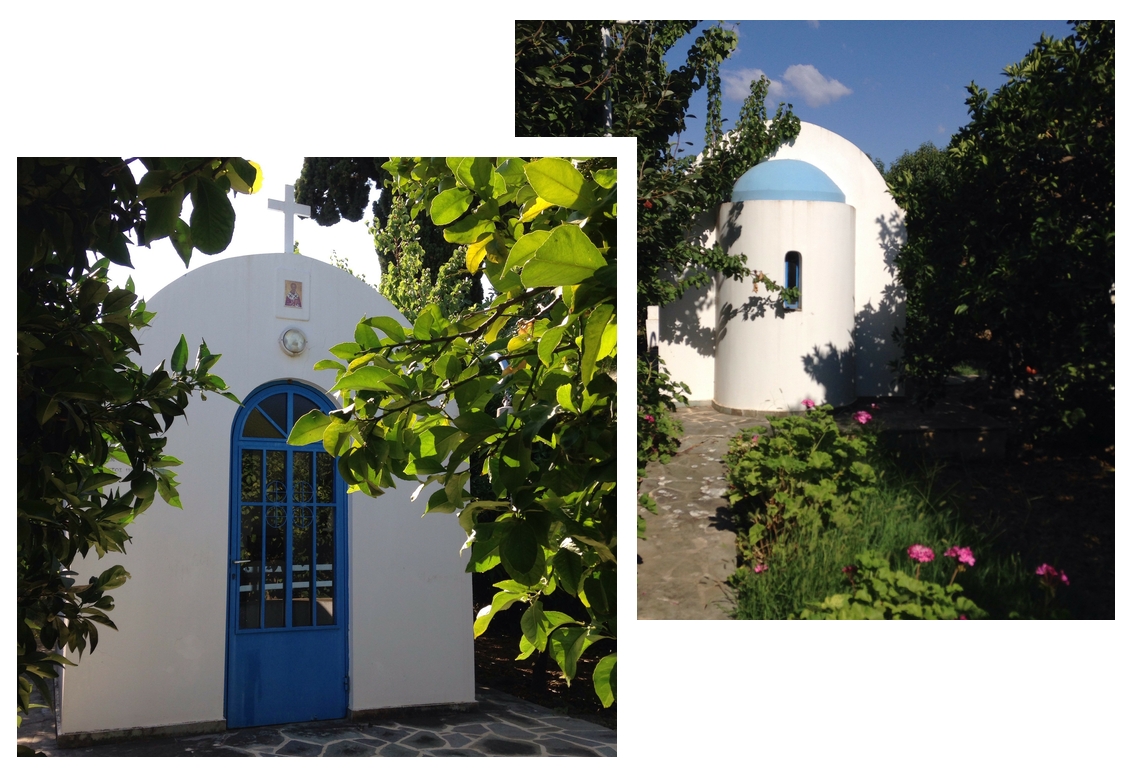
[(273, 596), (816, 216)]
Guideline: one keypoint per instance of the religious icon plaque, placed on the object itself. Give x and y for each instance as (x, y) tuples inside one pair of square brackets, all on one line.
[(292, 292)]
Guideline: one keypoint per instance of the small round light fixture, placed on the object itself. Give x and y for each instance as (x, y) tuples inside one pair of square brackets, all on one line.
[(293, 341)]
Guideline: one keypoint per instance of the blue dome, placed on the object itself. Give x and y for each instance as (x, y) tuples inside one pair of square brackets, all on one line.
[(786, 180)]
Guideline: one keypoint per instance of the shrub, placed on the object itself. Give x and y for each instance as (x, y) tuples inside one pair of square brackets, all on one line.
[(880, 593), (800, 477), (658, 399)]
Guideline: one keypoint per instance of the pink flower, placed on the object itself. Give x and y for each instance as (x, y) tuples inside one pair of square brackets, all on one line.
[(759, 568), (962, 617), (756, 437), (920, 553), (808, 403), (874, 406), (963, 554), (1050, 573), (862, 417), (648, 417)]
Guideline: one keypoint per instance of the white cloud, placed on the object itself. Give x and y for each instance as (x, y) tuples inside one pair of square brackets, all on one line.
[(735, 83), (813, 24), (941, 128), (813, 86)]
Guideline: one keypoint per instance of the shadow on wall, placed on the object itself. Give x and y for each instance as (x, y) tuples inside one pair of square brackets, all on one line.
[(682, 322), (832, 368), (876, 324)]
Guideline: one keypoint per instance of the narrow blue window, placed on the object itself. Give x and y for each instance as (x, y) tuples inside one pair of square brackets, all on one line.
[(792, 279)]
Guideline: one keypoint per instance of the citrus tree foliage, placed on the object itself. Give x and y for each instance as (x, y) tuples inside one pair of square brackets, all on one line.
[(80, 398), (1011, 248), (418, 265), (415, 400)]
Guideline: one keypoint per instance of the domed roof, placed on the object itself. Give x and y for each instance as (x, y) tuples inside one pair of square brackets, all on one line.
[(786, 180)]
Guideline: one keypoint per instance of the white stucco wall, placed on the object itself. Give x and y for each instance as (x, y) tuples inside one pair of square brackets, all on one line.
[(880, 304), (771, 362), (410, 628), (686, 327)]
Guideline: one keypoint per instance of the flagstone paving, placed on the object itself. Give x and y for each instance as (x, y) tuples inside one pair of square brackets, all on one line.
[(501, 725), (690, 549)]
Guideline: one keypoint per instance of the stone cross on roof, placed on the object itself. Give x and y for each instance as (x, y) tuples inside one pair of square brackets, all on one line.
[(290, 208)]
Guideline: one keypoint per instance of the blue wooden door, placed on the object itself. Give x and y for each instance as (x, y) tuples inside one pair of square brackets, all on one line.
[(287, 615)]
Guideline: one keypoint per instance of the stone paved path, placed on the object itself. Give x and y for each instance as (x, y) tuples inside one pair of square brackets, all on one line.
[(689, 548), (501, 725)]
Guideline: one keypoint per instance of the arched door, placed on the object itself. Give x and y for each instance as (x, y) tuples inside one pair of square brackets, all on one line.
[(287, 633)]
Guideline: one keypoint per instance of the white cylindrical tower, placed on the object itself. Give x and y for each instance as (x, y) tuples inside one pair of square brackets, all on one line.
[(793, 225)]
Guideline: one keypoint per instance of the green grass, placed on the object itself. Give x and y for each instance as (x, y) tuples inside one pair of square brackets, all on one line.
[(909, 508)]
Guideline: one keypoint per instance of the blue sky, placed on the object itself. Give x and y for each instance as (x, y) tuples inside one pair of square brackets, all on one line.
[(885, 86)]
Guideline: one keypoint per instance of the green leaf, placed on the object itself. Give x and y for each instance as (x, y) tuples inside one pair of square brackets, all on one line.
[(337, 436), (566, 257), (548, 343), (213, 217), (532, 626), (162, 214), (525, 247), (468, 230), (144, 485), (182, 240), (388, 325), (502, 600), (606, 178), (365, 336), (518, 549), (449, 205), (568, 568), (180, 356), (566, 645), (365, 378), (439, 502), (557, 181), (593, 329), (309, 428), (603, 679)]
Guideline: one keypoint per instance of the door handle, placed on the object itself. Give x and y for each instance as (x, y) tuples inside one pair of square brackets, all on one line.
[(245, 561)]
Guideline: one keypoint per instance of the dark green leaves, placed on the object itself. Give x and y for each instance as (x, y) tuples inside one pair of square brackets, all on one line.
[(87, 401), (180, 356), (213, 218)]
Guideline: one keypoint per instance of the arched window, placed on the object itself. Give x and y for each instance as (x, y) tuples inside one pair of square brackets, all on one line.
[(288, 502), (792, 279)]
